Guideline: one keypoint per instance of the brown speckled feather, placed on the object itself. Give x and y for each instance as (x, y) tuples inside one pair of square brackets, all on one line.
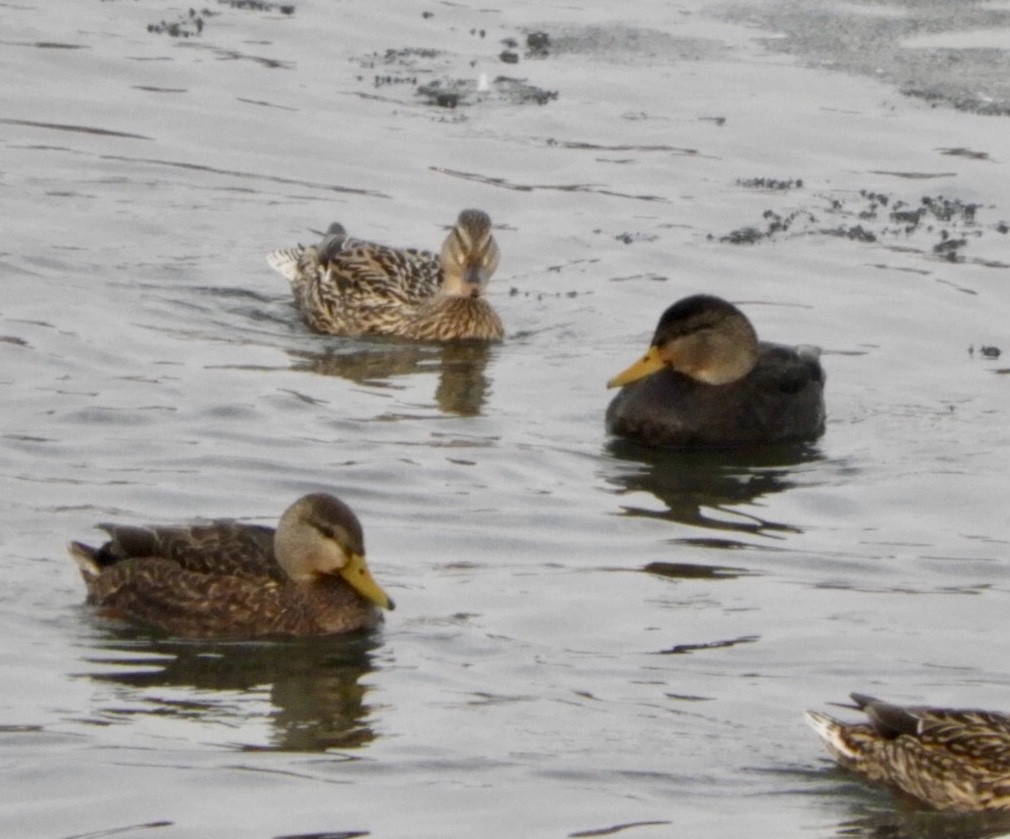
[(225, 579), (157, 592), (363, 288), (950, 759), (222, 547)]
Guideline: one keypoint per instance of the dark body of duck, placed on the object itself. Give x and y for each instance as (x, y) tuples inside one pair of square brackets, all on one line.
[(706, 381), (949, 759), (350, 287), (228, 579)]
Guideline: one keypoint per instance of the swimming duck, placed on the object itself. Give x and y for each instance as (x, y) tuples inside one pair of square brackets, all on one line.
[(228, 579), (707, 381), (349, 287), (950, 759)]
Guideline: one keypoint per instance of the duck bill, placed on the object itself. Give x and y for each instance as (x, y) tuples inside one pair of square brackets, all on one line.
[(358, 576), (647, 365), (473, 281)]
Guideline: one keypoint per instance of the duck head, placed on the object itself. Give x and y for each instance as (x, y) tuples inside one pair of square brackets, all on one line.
[(702, 337), (469, 255), (319, 535)]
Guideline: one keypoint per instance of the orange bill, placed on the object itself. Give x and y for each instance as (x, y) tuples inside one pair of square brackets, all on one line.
[(361, 580), (647, 365)]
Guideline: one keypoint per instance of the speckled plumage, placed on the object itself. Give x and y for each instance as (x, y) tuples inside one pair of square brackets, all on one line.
[(345, 286), (228, 579), (706, 381), (949, 759)]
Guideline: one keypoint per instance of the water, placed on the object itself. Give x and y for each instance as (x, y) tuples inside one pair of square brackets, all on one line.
[(589, 637)]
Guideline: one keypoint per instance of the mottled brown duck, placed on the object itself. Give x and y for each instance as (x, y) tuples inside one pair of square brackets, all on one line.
[(230, 579), (350, 287), (948, 759), (706, 381)]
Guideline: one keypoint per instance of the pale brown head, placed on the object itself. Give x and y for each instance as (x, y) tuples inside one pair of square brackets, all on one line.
[(318, 535), (703, 337), (469, 255)]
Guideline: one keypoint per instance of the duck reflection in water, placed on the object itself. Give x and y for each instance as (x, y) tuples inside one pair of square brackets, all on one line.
[(462, 387), (866, 813), (314, 684), (908, 822), (711, 489)]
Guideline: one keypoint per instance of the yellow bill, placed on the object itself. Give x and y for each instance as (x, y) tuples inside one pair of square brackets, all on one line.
[(361, 580), (647, 365)]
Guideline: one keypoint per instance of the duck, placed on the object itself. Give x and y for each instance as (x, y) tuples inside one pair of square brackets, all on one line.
[(948, 759), (228, 579), (355, 288), (706, 382)]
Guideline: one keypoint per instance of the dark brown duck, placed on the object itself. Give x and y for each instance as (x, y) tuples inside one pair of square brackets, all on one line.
[(228, 579), (706, 381)]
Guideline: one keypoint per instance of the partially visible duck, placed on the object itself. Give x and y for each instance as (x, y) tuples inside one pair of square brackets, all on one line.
[(351, 287), (707, 381), (949, 759), (228, 579)]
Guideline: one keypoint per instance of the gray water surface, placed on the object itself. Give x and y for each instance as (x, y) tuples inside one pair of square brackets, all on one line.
[(591, 638)]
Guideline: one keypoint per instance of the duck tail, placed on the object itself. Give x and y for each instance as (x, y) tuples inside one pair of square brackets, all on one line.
[(285, 262), (86, 558), (831, 732)]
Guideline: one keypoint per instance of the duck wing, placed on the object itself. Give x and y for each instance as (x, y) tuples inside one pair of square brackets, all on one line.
[(370, 272), (218, 548)]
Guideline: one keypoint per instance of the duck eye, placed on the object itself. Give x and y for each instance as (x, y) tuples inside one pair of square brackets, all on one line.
[(326, 531)]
